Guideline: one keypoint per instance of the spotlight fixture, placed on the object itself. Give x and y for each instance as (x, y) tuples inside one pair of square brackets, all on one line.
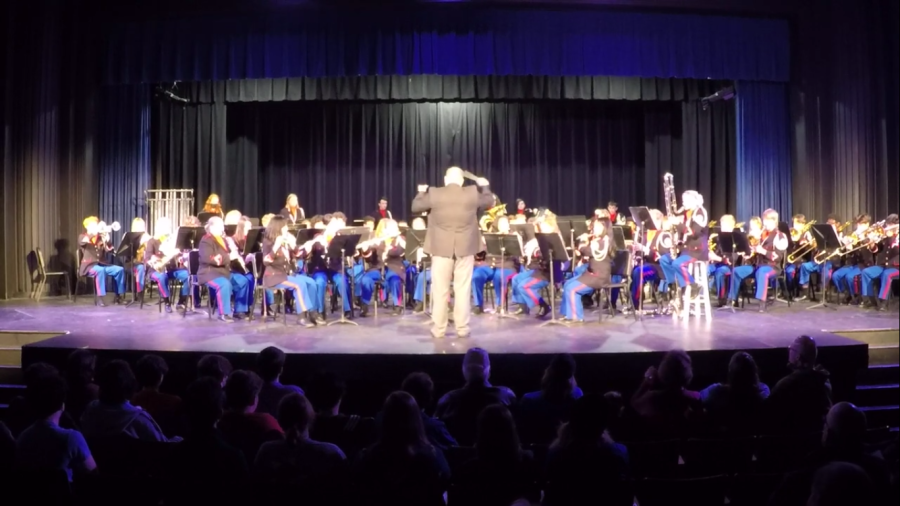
[(726, 93), (168, 93)]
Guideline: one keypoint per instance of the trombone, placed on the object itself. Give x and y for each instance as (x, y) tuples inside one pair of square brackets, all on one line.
[(804, 249)]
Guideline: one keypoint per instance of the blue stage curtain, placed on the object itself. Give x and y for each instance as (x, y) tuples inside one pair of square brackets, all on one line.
[(764, 176), (448, 41), (124, 153)]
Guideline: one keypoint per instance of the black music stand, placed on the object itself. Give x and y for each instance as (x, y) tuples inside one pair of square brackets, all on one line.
[(826, 235), (188, 239), (526, 230), (727, 247), (644, 221), (415, 242), (552, 248), (204, 217), (128, 247), (343, 245), (253, 246), (618, 235), (504, 246), (230, 230)]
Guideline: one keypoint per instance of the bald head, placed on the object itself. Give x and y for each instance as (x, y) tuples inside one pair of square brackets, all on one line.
[(845, 426), (840, 483), (453, 175), (802, 353)]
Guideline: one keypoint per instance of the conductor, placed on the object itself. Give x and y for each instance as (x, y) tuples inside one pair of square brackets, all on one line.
[(452, 239)]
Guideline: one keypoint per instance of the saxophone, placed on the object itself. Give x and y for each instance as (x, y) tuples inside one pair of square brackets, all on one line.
[(671, 209)]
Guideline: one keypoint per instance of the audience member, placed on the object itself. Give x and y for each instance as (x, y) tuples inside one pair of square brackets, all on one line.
[(351, 433), (735, 406), (843, 440), (584, 464), (205, 468), (150, 371), (617, 420), (541, 413), (112, 414), (45, 445), (7, 448), (460, 408), (241, 425), (19, 416), (420, 386), (402, 468), (270, 365), (663, 402), (840, 484), (216, 367), (82, 390), (800, 400), (315, 466), (502, 471)]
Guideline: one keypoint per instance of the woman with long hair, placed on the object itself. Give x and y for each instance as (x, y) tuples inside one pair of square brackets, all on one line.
[(292, 211), (213, 206), (384, 252), (280, 252), (541, 413), (402, 468), (735, 406), (527, 285), (663, 401), (599, 250)]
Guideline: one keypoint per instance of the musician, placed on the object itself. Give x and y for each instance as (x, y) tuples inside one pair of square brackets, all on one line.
[(501, 274), (385, 251), (770, 254), (800, 238), (522, 210), (825, 269), (614, 217), (266, 218), (138, 225), (481, 273), (599, 250), (877, 256), (719, 263), (528, 284), (420, 273), (845, 277), (693, 230), (191, 221), (755, 235), (216, 255), (213, 206), (381, 212), (292, 211), (95, 246), (162, 248), (279, 251), (322, 268), (889, 259), (240, 241), (232, 217), (652, 251)]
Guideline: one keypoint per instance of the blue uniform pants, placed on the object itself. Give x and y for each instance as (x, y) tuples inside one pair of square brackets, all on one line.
[(681, 270), (650, 276), (100, 273), (423, 283), (339, 280), (845, 279), (480, 276), (764, 276), (223, 288), (528, 290), (162, 281), (572, 306), (720, 276), (300, 288), (502, 279), (665, 263), (738, 275), (887, 278), (806, 270)]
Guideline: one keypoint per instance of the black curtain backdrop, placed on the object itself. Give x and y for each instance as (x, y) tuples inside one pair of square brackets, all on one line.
[(571, 156)]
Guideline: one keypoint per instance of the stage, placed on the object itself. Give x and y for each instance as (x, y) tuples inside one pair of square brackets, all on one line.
[(383, 349)]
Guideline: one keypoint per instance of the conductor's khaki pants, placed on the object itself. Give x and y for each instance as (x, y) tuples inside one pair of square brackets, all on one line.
[(459, 271)]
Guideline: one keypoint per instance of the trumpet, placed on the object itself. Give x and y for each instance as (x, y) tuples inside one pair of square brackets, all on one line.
[(108, 229)]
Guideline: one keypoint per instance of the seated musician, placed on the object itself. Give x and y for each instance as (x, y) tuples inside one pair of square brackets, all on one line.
[(504, 274), (266, 218), (160, 257), (381, 211), (845, 277), (384, 251), (232, 217), (191, 221), (481, 273), (216, 255), (770, 255), (95, 247), (323, 269), (582, 261), (800, 238), (213, 206), (877, 255), (719, 262), (600, 249), (421, 272), (359, 264), (748, 262), (692, 227), (138, 269), (615, 217), (527, 285), (808, 267), (652, 251), (240, 240), (279, 251), (522, 209), (292, 211)]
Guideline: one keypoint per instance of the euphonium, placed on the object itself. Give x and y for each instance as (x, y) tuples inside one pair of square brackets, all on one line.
[(490, 216)]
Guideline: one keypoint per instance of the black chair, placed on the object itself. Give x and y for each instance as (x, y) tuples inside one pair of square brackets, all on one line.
[(753, 489), (45, 487), (88, 280), (41, 276), (278, 295), (193, 266), (654, 458), (709, 491), (704, 457), (622, 266)]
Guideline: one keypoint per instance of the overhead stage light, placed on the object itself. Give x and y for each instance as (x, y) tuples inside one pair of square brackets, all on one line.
[(723, 94)]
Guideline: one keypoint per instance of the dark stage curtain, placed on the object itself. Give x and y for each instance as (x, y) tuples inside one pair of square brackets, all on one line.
[(570, 156), (449, 88), (447, 40), (845, 109)]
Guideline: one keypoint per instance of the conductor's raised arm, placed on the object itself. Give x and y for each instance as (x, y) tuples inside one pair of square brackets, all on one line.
[(485, 197), (422, 202)]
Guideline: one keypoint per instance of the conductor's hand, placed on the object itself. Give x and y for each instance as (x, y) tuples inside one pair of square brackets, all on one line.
[(423, 188), (482, 182)]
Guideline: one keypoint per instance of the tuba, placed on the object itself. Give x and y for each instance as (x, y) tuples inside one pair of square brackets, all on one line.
[(490, 216)]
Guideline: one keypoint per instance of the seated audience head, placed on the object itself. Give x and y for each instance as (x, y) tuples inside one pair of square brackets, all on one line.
[(150, 371), (421, 387), (559, 377), (587, 423), (46, 397), (80, 366), (242, 391), (497, 437), (216, 367), (401, 428), (802, 353), (38, 371), (295, 416), (845, 427), (116, 382), (326, 391), (616, 404), (204, 401), (270, 364), (476, 366), (743, 375), (840, 484), (675, 371)]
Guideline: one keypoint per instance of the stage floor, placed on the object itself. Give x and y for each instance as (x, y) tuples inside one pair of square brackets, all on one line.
[(132, 329)]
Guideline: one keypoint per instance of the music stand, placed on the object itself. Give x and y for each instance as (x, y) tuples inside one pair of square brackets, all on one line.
[(552, 247), (827, 236), (204, 217), (644, 221), (504, 246), (343, 244), (253, 246), (130, 244), (188, 238), (618, 238), (727, 247), (415, 242), (526, 230)]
